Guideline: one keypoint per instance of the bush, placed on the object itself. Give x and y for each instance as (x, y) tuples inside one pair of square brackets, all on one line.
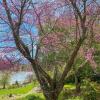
[(13, 86), (90, 92), (33, 97), (67, 94), (96, 78), (90, 95), (85, 72)]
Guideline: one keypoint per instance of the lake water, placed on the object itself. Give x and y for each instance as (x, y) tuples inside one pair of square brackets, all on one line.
[(19, 76)]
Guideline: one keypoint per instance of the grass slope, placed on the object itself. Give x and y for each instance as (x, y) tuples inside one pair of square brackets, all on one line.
[(20, 90)]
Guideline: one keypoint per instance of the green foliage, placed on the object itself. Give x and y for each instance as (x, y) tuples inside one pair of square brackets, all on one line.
[(54, 59), (90, 95), (69, 86), (97, 57), (69, 94), (89, 92), (75, 98), (33, 97), (85, 72), (12, 86)]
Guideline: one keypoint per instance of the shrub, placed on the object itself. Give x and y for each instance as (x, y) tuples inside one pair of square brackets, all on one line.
[(90, 95), (85, 72), (90, 92), (33, 97), (96, 78), (67, 94)]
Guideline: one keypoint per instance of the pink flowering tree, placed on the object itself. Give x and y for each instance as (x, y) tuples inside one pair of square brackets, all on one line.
[(21, 17)]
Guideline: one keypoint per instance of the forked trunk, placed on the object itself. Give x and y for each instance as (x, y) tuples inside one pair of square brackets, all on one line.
[(51, 96)]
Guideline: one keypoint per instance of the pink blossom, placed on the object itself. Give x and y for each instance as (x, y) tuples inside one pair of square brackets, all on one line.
[(89, 56), (97, 37)]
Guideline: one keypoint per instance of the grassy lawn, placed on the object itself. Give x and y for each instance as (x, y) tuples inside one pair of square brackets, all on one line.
[(20, 90), (26, 89), (35, 96), (68, 88), (39, 96)]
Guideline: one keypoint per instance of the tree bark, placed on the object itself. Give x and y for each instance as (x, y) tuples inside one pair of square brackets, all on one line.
[(4, 86), (78, 84), (51, 95)]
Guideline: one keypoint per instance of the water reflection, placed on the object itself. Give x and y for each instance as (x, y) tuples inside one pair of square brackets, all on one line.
[(19, 76)]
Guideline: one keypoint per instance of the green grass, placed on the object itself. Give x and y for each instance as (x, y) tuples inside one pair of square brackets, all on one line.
[(68, 93), (39, 96), (34, 96), (69, 86), (20, 90)]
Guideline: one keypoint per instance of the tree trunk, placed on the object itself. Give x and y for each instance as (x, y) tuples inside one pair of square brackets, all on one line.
[(4, 86), (51, 96), (53, 92), (78, 89), (78, 84)]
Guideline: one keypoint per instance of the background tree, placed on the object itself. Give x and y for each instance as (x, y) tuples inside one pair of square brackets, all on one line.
[(4, 79)]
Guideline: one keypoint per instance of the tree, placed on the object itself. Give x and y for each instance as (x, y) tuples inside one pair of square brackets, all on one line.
[(4, 79), (16, 13)]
